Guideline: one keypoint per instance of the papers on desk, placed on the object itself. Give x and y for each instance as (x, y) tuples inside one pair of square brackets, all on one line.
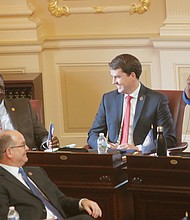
[(69, 145), (72, 148), (51, 150), (59, 148)]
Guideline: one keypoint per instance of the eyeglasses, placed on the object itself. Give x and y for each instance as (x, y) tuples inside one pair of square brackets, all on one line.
[(23, 145)]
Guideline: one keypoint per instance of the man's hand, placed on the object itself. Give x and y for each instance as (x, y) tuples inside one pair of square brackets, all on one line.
[(187, 88), (127, 147), (123, 146), (112, 145), (92, 208), (54, 143)]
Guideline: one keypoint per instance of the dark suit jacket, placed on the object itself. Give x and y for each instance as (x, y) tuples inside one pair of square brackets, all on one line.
[(151, 109), (14, 193), (26, 122)]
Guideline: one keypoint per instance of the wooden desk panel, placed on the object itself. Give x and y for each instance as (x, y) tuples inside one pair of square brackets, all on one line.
[(97, 177), (160, 186)]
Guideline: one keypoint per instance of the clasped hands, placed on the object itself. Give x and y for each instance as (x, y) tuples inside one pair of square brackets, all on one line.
[(122, 146)]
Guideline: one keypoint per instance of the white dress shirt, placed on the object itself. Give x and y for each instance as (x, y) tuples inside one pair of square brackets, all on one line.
[(4, 117), (132, 114)]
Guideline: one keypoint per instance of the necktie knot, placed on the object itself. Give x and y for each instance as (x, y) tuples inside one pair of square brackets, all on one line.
[(22, 172), (128, 98)]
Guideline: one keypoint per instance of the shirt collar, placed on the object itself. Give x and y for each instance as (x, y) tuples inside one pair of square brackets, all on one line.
[(11, 169), (135, 93), (2, 103)]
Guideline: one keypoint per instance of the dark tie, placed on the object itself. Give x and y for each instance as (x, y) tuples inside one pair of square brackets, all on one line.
[(37, 192), (126, 122)]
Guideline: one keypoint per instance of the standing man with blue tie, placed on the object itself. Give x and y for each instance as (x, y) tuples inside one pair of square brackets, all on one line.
[(30, 190), (126, 128)]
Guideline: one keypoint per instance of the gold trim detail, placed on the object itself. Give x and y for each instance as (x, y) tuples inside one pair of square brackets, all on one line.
[(59, 11), (140, 7), (63, 157), (99, 9), (56, 10), (174, 162)]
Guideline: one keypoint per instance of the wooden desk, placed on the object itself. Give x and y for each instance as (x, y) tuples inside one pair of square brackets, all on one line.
[(160, 186), (97, 177)]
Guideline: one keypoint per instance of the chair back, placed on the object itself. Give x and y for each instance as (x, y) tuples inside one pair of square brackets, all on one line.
[(38, 109), (177, 108)]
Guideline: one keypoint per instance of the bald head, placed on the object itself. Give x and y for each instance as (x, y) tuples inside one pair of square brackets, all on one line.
[(12, 148)]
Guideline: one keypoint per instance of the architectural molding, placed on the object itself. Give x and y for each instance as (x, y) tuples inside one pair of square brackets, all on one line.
[(171, 43), (65, 10), (177, 21), (16, 23), (97, 43)]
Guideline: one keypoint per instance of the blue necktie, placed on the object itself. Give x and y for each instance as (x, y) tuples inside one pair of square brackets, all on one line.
[(37, 192)]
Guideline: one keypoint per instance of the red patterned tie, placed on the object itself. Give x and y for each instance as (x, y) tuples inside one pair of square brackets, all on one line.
[(126, 121)]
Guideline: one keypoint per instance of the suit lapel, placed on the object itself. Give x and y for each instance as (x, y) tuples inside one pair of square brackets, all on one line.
[(9, 105), (35, 179), (140, 103), (119, 109), (13, 179)]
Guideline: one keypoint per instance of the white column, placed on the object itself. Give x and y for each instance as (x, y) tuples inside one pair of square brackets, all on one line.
[(177, 21)]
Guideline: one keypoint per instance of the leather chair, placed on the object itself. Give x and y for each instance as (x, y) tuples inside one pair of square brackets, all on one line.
[(177, 108), (38, 109)]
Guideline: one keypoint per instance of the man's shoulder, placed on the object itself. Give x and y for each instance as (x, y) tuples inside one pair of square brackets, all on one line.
[(148, 91), (32, 168), (17, 103)]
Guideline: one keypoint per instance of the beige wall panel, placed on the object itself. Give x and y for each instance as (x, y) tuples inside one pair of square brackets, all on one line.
[(82, 87), (146, 75)]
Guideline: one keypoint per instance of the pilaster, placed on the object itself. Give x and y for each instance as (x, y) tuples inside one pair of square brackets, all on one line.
[(15, 21), (177, 21)]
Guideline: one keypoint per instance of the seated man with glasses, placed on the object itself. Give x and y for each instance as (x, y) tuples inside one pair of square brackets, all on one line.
[(30, 190), (17, 114)]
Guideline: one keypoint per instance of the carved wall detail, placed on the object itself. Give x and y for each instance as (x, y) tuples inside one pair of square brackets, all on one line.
[(59, 11)]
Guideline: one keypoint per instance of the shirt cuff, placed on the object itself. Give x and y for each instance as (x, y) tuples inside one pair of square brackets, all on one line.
[(139, 147), (80, 204)]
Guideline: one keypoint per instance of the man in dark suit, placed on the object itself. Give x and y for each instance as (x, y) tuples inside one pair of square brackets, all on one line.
[(14, 191), (148, 108), (18, 114)]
